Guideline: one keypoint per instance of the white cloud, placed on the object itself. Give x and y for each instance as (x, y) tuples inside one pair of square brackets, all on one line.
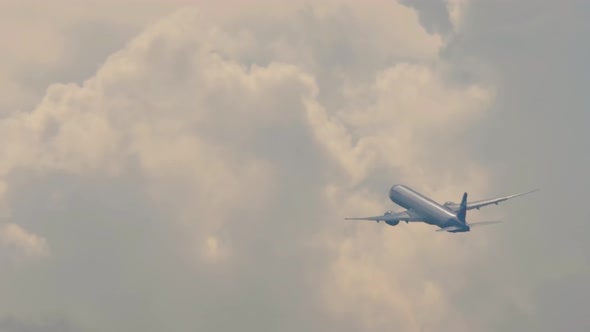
[(406, 111), (41, 45), (258, 128)]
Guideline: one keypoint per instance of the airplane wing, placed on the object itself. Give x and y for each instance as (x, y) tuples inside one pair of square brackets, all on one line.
[(396, 216), (481, 203)]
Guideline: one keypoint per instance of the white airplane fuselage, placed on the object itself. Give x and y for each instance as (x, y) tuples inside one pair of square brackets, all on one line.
[(417, 204)]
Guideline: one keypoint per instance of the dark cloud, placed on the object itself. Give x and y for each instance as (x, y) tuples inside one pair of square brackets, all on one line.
[(434, 15)]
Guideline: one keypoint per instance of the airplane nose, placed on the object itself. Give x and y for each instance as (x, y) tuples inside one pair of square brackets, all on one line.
[(392, 191)]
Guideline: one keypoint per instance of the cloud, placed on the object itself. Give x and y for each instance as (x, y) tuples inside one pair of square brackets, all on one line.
[(14, 237), (207, 165), (434, 15), (63, 41), (14, 325), (535, 52), (403, 144)]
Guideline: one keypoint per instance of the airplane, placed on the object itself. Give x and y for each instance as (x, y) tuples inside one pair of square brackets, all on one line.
[(449, 217)]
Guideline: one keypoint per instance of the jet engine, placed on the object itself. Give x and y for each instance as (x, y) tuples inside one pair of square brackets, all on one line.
[(390, 223)]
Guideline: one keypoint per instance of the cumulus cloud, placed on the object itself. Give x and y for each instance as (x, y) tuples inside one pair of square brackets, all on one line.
[(240, 143), (63, 41)]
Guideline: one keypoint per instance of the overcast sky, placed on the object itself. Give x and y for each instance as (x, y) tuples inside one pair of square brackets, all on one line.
[(187, 165)]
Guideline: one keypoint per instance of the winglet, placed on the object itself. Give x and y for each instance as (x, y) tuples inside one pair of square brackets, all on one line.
[(528, 192), (518, 195)]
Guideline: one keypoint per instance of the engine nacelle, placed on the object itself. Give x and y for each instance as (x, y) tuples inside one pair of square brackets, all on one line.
[(392, 223)]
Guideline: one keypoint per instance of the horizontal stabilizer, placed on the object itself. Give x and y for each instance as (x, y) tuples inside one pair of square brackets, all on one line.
[(449, 229), (483, 223), (454, 228), (395, 216)]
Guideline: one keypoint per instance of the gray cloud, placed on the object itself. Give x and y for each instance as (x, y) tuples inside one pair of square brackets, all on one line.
[(434, 15), (534, 136), (14, 325)]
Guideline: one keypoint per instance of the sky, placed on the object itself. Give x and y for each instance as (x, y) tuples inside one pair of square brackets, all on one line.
[(187, 165)]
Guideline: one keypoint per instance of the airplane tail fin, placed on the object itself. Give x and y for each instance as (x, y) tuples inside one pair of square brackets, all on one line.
[(462, 212)]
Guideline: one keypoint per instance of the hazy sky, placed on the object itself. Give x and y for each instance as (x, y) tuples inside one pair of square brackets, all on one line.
[(187, 165)]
